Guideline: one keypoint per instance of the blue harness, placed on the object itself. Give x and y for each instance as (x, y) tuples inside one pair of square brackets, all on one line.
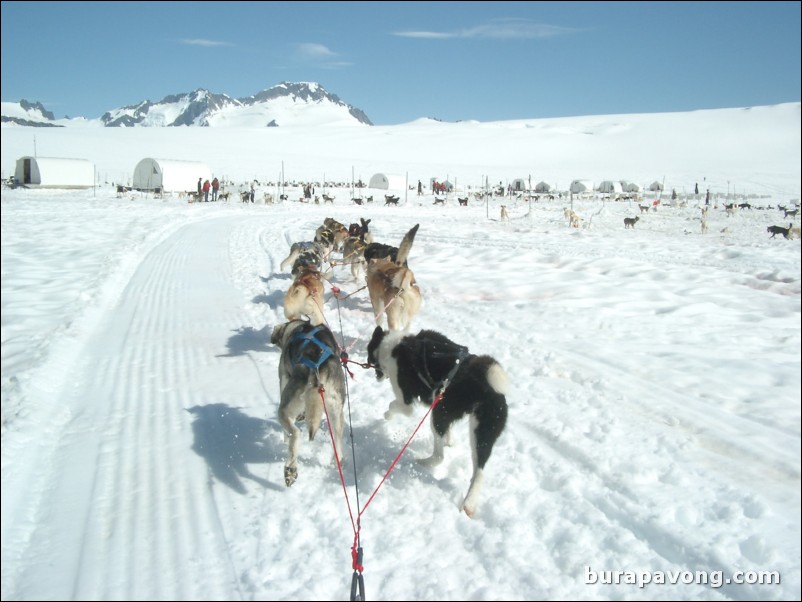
[(306, 338)]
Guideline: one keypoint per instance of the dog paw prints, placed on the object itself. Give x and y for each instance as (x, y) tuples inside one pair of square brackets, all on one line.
[(757, 550)]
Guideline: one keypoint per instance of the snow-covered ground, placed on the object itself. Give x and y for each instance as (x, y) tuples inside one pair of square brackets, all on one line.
[(654, 423)]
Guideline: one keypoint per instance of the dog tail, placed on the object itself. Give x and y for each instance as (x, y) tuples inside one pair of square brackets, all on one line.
[(406, 246), (497, 378), (403, 279)]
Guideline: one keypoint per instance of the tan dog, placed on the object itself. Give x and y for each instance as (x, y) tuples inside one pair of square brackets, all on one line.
[(391, 284), (505, 217), (305, 297), (354, 255), (394, 292)]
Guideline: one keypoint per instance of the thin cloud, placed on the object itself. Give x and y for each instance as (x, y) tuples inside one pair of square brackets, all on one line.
[(499, 29), (315, 51), (321, 55), (202, 42)]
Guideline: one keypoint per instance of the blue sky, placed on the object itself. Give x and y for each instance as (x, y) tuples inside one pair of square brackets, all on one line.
[(399, 61)]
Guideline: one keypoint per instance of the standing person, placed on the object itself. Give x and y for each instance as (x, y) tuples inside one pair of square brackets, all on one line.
[(420, 188), (206, 187), (253, 190), (215, 188), (696, 189), (707, 198), (199, 187)]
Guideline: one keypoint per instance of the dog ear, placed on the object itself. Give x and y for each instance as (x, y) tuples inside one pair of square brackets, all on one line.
[(378, 332), (278, 333)]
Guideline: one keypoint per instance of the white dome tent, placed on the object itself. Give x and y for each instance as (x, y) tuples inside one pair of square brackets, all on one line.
[(610, 187), (384, 181), (51, 172), (169, 175), (581, 186)]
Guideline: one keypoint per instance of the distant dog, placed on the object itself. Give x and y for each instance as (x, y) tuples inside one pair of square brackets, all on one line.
[(505, 217), (439, 201), (338, 232), (574, 220), (309, 367), (775, 230), (305, 297), (794, 233), (354, 255), (629, 222), (463, 202), (418, 366), (391, 200), (361, 231)]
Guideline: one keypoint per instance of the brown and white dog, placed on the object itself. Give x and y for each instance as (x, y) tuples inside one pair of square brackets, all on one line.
[(392, 287), (505, 216), (305, 296)]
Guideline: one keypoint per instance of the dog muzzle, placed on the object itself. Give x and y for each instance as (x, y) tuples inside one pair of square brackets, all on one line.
[(379, 372)]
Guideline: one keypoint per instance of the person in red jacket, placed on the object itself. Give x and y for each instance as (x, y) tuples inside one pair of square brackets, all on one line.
[(206, 187), (215, 188)]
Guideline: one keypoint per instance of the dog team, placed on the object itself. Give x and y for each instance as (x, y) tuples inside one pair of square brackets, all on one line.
[(426, 367)]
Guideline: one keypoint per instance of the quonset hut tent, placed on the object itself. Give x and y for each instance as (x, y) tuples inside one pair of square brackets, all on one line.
[(580, 186), (542, 187), (50, 172), (384, 181), (608, 187), (519, 185), (169, 175)]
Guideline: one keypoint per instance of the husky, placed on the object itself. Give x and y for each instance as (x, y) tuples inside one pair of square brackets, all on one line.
[(391, 284), (309, 368), (377, 250), (428, 364), (320, 250), (305, 296)]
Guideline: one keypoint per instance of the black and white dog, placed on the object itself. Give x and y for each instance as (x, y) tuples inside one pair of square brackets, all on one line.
[(309, 361), (419, 366)]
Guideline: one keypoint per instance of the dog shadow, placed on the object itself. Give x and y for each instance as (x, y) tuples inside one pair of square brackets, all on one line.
[(374, 452), (248, 339), (228, 440), (273, 300)]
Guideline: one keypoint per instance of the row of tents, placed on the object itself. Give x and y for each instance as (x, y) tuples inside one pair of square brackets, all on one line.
[(587, 186), (172, 175), (149, 174), (164, 175)]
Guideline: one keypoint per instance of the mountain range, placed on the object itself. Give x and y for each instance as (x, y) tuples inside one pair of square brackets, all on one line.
[(286, 104)]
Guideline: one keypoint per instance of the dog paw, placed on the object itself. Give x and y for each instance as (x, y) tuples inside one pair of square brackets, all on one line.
[(290, 475), (468, 510), (429, 462)]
